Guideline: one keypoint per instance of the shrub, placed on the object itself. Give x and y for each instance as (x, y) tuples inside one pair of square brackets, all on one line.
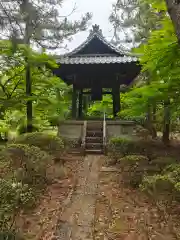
[(165, 185), (51, 144), (133, 168), (28, 164), (125, 146), (113, 157), (160, 163), (157, 184), (22, 176), (5, 166), (170, 168), (21, 129), (142, 132), (71, 143), (151, 148), (15, 196)]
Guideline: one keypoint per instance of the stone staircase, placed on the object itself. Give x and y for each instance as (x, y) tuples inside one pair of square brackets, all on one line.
[(94, 138)]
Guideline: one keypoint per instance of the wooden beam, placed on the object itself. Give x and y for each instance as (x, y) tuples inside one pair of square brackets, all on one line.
[(74, 103), (116, 100), (80, 104)]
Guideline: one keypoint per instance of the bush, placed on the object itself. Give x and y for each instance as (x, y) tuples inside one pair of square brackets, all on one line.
[(133, 168), (150, 148), (28, 164), (71, 143), (5, 166), (22, 177), (142, 132), (15, 196), (51, 144), (113, 157), (160, 163), (125, 146), (164, 185), (157, 184), (171, 168), (21, 129)]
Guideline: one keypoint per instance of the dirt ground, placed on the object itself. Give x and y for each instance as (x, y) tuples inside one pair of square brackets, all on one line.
[(99, 207), (41, 223), (127, 214)]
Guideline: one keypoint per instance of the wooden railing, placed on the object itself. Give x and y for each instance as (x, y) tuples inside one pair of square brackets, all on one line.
[(104, 134), (84, 137)]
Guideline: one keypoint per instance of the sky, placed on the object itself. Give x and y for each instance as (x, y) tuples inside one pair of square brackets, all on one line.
[(99, 8)]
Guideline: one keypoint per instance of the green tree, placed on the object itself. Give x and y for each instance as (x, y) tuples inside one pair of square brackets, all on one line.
[(40, 24), (49, 93), (135, 18), (160, 58)]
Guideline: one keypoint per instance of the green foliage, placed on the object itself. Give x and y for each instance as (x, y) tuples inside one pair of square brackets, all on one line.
[(15, 196), (165, 185), (28, 164), (47, 142), (160, 163), (50, 95), (135, 18), (125, 145), (23, 176), (21, 129), (157, 184), (133, 168), (71, 143), (54, 121), (171, 167), (158, 82)]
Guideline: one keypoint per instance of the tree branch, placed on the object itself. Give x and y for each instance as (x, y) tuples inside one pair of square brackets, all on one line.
[(174, 12)]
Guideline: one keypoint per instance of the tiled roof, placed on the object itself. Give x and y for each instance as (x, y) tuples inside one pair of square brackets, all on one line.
[(96, 60), (118, 56), (96, 32)]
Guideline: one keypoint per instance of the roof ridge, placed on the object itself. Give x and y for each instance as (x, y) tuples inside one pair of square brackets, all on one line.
[(96, 32), (97, 60)]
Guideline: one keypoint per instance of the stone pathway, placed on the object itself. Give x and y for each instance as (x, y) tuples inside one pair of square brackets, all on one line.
[(78, 219)]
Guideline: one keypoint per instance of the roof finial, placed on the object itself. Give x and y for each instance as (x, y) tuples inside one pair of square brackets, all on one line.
[(96, 29)]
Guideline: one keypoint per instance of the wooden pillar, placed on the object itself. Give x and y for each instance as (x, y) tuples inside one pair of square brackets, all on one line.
[(116, 100), (80, 104), (74, 103), (85, 103)]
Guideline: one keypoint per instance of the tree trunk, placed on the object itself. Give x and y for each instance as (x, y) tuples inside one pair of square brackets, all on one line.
[(29, 102), (150, 121), (29, 112), (154, 121), (166, 123), (173, 7)]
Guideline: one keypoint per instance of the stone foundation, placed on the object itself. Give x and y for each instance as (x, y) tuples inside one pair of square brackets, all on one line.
[(72, 129), (119, 128)]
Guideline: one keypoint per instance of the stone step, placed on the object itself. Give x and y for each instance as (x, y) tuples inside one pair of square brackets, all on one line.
[(94, 151), (94, 140), (95, 128), (94, 134), (94, 146)]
